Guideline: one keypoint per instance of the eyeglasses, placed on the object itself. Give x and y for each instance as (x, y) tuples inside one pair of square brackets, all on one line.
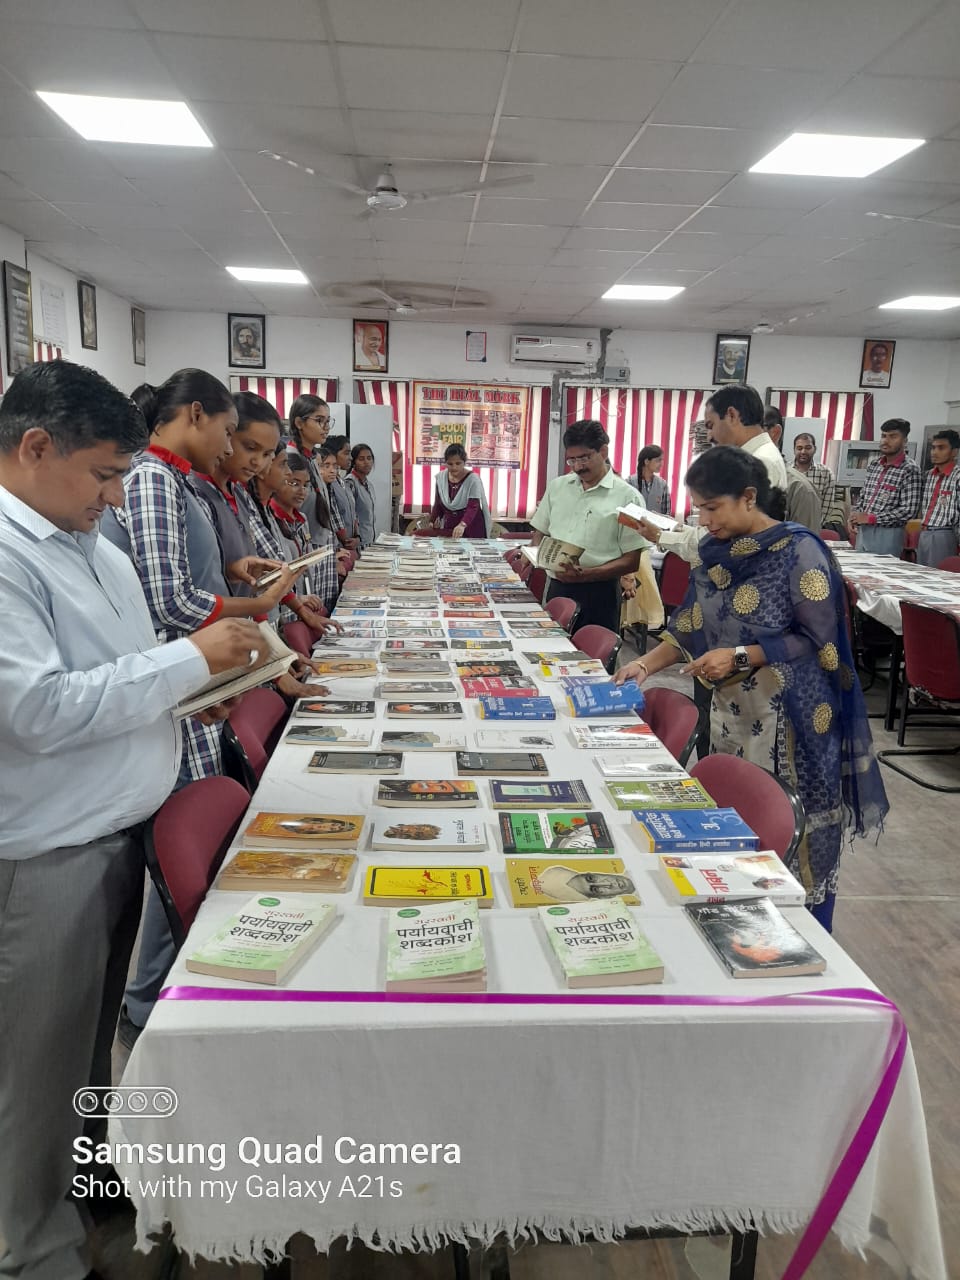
[(580, 457), (321, 422)]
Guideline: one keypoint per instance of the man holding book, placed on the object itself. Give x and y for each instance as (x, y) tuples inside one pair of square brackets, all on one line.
[(581, 508), (90, 750)]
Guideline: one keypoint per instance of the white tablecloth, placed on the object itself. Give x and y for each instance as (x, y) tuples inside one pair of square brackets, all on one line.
[(568, 1119), (883, 582)]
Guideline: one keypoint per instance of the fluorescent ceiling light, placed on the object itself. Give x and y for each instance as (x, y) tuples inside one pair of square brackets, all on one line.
[(143, 120), (834, 155), (643, 292), (921, 302), (268, 275)]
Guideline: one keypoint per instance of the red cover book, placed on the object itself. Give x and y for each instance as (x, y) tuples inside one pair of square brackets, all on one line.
[(498, 687)]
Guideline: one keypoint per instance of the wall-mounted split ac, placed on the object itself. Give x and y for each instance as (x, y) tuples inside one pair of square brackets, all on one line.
[(563, 350)]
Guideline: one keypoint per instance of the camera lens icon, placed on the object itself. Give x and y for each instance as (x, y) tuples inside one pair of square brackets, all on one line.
[(142, 1101)]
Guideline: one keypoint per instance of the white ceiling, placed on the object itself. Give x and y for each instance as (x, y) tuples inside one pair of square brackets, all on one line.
[(635, 119)]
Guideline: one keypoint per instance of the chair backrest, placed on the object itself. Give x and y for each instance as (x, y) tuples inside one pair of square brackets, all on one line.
[(299, 636), (674, 579), (763, 801), (829, 535), (513, 557), (931, 650), (524, 569), (537, 584), (598, 642), (951, 564), (186, 842), (563, 611), (257, 721), (674, 718)]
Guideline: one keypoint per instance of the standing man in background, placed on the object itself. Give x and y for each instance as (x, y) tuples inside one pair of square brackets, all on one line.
[(891, 493), (582, 508), (821, 477), (940, 505), (804, 505)]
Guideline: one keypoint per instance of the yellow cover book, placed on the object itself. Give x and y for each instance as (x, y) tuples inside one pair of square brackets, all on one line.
[(540, 882), (262, 869), (305, 830), (390, 886)]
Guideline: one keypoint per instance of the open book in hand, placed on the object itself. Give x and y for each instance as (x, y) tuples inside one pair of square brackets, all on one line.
[(275, 658), (633, 513), (553, 553), (301, 562)]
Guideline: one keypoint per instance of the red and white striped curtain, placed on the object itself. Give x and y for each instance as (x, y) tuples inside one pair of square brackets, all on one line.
[(281, 392), (511, 494), (848, 414), (46, 352), (637, 416)]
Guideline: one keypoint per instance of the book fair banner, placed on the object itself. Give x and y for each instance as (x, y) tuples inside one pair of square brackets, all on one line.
[(490, 421)]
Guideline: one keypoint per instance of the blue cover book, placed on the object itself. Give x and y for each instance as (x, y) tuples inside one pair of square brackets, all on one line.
[(694, 831), (516, 708), (538, 795), (602, 699)]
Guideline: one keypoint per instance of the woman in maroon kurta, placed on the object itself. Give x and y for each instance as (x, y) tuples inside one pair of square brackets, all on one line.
[(460, 504)]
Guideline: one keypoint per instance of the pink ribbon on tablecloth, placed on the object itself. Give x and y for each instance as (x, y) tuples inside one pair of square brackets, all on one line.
[(851, 1162)]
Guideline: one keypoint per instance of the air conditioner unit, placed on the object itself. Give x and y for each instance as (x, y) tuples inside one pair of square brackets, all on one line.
[(565, 350)]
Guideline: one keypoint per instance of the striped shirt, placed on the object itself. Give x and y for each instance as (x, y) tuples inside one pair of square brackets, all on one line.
[(891, 493), (821, 478), (940, 506)]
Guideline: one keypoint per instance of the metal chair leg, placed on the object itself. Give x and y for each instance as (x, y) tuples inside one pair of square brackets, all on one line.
[(461, 1261), (743, 1255)]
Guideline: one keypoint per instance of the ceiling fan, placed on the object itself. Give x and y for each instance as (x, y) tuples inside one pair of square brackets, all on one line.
[(386, 197), (408, 303)]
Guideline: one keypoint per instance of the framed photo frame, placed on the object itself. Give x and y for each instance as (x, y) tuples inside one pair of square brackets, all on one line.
[(18, 317), (876, 362), (246, 341), (730, 359), (138, 333), (371, 349), (87, 300)]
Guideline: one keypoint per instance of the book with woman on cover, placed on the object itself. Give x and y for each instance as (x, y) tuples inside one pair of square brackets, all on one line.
[(304, 830), (261, 870)]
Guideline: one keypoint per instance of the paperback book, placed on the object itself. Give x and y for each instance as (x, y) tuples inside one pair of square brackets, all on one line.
[(598, 699), (401, 664), (561, 669), (540, 882), (422, 688), (497, 668), (338, 709), (512, 740), (438, 710), (633, 735), (417, 793), (270, 830), (654, 766), (266, 939), (420, 740), (501, 763), (334, 735), (435, 948), (333, 668), (536, 630), (499, 687), (633, 513), (392, 886), (717, 877), (413, 646), (487, 646), (755, 940), (438, 833), (538, 795), (693, 831), (539, 708), (660, 793), (552, 553), (598, 944), (274, 660), (262, 870), (527, 833), (459, 632), (355, 762)]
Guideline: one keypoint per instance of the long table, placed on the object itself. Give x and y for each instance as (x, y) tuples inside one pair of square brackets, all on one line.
[(566, 1118)]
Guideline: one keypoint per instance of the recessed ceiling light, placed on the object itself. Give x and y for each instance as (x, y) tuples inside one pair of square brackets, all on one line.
[(643, 292), (834, 155), (921, 302), (268, 275), (143, 120)]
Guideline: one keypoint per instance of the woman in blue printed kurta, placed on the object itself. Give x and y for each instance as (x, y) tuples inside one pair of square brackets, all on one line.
[(763, 624)]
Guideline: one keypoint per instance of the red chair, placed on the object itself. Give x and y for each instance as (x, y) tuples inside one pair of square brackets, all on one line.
[(951, 564), (763, 801), (600, 643), (186, 842), (299, 636), (675, 719), (563, 611), (257, 722), (931, 653), (525, 569), (513, 557), (829, 535), (537, 584), (674, 580)]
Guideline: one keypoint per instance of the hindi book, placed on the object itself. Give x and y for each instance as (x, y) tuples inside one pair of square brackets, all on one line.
[(415, 793), (436, 947), (538, 795), (660, 793), (598, 944), (543, 881), (539, 708), (266, 940), (262, 870), (435, 710), (418, 833), (500, 763), (718, 877), (585, 831), (333, 735), (755, 940), (355, 762), (694, 831), (597, 699), (393, 886), (336, 708)]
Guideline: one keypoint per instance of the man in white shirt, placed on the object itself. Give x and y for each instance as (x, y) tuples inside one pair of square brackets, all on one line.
[(90, 750)]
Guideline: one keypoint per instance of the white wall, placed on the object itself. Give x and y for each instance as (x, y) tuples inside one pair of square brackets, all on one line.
[(114, 355)]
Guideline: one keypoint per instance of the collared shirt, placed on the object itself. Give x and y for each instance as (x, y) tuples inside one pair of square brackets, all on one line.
[(588, 517), (940, 506), (655, 494), (762, 447), (363, 503), (821, 478), (88, 744), (892, 488)]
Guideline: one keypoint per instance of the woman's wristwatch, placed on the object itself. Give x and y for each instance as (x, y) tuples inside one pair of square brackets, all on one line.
[(741, 661)]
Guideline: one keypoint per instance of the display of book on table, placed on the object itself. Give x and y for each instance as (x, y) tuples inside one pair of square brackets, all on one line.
[(598, 944), (309, 558), (396, 886), (553, 878), (262, 870), (274, 661), (266, 940), (436, 947)]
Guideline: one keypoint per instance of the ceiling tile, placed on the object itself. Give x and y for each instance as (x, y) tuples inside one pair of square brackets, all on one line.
[(99, 13), (641, 217), (662, 31), (598, 238), (795, 248), (663, 186), (307, 134), (600, 261), (570, 182), (522, 253), (426, 24), (723, 219), (475, 273), (935, 162), (394, 135), (929, 50), (555, 141), (603, 89), (59, 185), (663, 146), (415, 80), (278, 20), (105, 217), (906, 107), (398, 230), (546, 213), (713, 95), (218, 69), (775, 191), (497, 233)]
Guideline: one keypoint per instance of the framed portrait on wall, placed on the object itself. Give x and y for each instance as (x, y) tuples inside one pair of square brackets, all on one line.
[(87, 301), (876, 362), (18, 317), (246, 341), (370, 346), (138, 325), (731, 358)]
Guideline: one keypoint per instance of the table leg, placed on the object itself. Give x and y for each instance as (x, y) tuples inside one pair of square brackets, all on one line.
[(461, 1261), (743, 1255), (896, 657)]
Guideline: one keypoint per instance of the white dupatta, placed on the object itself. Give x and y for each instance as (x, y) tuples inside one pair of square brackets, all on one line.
[(470, 487)]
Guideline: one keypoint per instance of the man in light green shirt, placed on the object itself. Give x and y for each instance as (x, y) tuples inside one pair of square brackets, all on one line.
[(582, 508)]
